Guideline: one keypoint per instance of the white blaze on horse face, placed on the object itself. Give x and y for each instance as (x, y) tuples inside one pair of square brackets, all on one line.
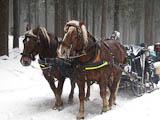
[(60, 54)]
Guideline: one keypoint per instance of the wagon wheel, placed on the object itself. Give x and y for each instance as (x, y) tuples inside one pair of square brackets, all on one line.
[(138, 88)]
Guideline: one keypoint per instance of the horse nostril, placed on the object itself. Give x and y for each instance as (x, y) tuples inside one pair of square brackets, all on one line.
[(25, 62)]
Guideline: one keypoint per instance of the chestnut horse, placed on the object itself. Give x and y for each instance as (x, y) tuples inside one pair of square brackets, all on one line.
[(93, 61), (40, 42)]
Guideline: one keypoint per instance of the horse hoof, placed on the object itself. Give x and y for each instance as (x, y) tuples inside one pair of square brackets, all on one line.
[(105, 109), (114, 103), (80, 116), (59, 108), (86, 99)]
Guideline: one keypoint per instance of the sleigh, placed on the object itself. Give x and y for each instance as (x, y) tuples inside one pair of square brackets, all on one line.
[(136, 76)]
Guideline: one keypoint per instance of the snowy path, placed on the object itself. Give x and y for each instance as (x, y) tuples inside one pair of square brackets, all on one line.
[(27, 96)]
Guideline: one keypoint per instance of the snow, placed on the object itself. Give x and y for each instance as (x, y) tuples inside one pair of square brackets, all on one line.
[(26, 95)]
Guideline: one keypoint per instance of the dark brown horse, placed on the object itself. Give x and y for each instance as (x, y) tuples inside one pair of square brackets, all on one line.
[(40, 42), (93, 61)]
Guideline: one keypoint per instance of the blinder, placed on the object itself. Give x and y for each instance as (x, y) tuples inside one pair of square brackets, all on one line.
[(34, 37)]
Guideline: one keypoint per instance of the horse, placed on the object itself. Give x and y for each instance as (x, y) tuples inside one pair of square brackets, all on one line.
[(100, 62), (40, 42)]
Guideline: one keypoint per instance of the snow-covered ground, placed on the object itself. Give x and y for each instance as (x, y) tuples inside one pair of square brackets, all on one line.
[(26, 95)]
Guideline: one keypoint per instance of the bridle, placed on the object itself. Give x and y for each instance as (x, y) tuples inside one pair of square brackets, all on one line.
[(79, 37), (32, 54)]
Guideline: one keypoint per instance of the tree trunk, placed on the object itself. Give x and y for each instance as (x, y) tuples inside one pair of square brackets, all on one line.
[(116, 15), (83, 6), (75, 10), (4, 11), (16, 24), (29, 13), (148, 22), (138, 34), (104, 19), (86, 14), (46, 11), (60, 17), (57, 23), (93, 18), (36, 13)]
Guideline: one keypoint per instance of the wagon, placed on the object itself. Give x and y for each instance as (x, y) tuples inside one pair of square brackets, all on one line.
[(136, 76)]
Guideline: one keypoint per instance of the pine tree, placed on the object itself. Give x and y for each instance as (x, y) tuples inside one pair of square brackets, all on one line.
[(4, 11)]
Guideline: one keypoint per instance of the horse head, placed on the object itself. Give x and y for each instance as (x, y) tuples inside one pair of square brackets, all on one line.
[(74, 40), (34, 40), (30, 50)]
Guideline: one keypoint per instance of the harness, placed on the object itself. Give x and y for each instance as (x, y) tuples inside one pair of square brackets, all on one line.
[(64, 66), (91, 64), (97, 67)]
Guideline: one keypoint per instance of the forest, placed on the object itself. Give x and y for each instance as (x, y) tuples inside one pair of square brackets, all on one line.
[(137, 20)]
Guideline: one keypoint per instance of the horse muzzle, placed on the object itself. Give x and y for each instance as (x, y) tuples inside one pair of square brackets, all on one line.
[(25, 61), (63, 53)]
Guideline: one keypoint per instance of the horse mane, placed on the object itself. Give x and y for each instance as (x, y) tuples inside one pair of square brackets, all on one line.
[(45, 33), (83, 28)]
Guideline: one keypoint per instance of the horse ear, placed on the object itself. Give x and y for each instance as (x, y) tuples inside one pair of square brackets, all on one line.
[(68, 20), (81, 23), (28, 27)]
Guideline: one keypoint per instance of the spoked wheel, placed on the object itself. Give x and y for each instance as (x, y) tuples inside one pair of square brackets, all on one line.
[(138, 88)]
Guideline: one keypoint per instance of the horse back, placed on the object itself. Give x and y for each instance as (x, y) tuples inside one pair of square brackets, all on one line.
[(117, 51)]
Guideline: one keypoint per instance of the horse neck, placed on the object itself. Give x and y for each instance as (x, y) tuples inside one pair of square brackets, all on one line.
[(90, 50), (48, 50)]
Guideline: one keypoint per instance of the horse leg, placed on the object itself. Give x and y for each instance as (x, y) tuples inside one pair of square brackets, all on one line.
[(88, 90), (102, 85), (81, 85), (70, 99), (51, 82), (114, 90), (59, 89)]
